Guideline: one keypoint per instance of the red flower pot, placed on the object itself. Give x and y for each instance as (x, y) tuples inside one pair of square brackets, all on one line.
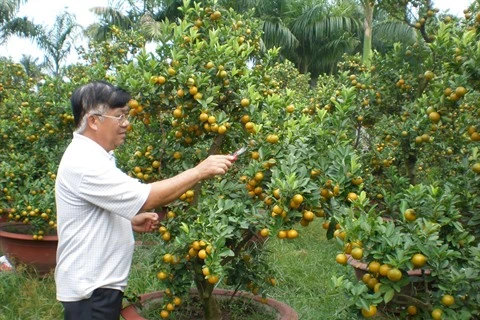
[(284, 311), (21, 249)]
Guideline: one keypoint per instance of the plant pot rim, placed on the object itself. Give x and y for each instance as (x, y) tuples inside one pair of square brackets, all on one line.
[(363, 266), (21, 236), (285, 311)]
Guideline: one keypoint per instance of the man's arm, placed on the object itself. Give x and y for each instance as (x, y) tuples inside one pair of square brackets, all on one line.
[(165, 191)]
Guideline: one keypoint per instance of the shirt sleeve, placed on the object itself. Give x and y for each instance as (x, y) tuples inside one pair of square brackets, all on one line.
[(114, 191)]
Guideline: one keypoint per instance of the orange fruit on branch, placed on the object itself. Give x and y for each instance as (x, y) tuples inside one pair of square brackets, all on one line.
[(434, 116), (437, 314), (448, 300), (352, 196), (372, 310), (410, 215), (412, 310), (357, 253), (341, 258), (418, 260), (394, 275), (245, 102), (292, 234)]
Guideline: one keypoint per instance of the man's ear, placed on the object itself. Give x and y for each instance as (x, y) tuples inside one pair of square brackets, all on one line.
[(92, 122)]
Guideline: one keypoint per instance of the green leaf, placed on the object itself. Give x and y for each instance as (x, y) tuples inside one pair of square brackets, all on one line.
[(389, 295)]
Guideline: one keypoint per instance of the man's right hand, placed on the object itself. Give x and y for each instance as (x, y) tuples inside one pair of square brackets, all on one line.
[(214, 165)]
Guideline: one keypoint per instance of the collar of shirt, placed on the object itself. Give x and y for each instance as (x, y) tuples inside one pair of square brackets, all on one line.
[(110, 155)]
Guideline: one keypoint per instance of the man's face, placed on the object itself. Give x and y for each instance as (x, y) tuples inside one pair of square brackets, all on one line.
[(113, 126)]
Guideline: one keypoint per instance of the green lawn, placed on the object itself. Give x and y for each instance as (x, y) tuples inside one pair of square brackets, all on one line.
[(306, 266)]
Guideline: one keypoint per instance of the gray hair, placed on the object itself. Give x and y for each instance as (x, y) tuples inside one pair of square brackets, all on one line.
[(96, 97)]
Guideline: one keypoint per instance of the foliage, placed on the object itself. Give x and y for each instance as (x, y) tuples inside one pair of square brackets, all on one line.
[(418, 143), (34, 116)]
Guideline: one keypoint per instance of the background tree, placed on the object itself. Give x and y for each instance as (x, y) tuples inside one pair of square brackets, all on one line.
[(390, 30), (109, 16), (57, 41), (33, 68), (10, 24)]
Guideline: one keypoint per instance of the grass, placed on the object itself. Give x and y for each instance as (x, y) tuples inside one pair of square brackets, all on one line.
[(24, 296), (305, 269)]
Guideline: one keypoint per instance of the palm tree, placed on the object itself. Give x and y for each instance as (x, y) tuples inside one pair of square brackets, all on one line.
[(10, 24), (325, 32), (9, 9), (313, 34), (126, 15), (57, 41), (109, 16), (412, 13), (388, 30), (368, 6), (32, 67), (384, 22)]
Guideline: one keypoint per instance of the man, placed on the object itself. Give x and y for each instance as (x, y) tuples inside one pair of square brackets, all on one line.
[(98, 205)]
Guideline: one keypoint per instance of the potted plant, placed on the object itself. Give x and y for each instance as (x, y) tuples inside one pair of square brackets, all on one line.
[(208, 88), (40, 124), (414, 225)]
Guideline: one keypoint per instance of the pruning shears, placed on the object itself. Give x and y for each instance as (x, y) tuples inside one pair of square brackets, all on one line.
[(239, 152)]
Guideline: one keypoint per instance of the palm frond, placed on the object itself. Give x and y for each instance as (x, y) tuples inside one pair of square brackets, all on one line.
[(278, 35), (168, 10), (21, 27), (327, 27), (387, 32), (394, 31), (112, 16), (9, 9)]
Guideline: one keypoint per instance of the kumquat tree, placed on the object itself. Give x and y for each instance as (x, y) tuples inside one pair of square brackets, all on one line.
[(207, 89)]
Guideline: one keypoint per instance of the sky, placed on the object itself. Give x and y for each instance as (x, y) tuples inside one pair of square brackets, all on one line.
[(44, 12)]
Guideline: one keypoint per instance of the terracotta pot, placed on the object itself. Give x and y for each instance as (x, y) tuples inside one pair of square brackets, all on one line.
[(21, 249), (361, 268), (420, 282), (284, 311)]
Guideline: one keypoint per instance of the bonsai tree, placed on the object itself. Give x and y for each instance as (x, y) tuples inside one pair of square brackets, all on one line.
[(209, 88)]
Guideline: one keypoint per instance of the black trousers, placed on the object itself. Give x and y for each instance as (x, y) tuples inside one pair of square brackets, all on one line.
[(104, 304)]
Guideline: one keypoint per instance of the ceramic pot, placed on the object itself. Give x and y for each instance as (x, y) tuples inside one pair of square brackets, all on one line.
[(284, 311), (18, 245)]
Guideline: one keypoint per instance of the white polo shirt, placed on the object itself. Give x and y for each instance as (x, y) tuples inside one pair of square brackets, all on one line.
[(95, 203)]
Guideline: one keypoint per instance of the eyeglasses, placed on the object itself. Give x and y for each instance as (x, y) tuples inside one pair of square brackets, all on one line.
[(121, 119)]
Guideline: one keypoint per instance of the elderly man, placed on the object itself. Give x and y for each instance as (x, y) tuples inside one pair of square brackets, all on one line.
[(98, 205)]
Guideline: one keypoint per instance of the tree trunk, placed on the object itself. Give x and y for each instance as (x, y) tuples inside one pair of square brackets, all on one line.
[(410, 165), (368, 32), (211, 308)]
